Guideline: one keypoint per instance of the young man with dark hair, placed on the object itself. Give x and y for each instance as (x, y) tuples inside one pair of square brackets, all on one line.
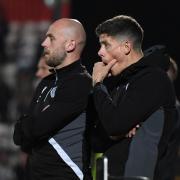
[(142, 94)]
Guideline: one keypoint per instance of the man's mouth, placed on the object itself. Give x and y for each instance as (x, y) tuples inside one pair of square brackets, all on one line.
[(45, 53)]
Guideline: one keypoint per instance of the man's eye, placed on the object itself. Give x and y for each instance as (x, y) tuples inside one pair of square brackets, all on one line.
[(106, 46), (51, 38)]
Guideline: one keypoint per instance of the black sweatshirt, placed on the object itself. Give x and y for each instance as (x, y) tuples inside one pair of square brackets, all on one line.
[(142, 94), (55, 125)]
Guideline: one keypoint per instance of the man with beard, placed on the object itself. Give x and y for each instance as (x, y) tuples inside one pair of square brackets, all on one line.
[(53, 131)]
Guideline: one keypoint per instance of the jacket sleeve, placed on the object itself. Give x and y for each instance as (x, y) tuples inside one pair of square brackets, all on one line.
[(142, 98), (70, 100), (19, 138)]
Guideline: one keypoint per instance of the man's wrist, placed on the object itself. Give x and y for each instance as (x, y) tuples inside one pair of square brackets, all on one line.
[(96, 82)]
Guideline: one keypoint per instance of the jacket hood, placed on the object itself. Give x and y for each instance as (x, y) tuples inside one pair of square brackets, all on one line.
[(156, 56)]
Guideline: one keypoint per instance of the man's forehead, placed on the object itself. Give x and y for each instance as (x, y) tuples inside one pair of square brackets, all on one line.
[(105, 37), (52, 31)]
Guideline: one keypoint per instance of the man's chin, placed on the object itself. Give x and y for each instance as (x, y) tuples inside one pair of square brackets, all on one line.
[(48, 62), (51, 64), (46, 56)]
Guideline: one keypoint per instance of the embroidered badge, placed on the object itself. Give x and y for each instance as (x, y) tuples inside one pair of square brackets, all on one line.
[(53, 92)]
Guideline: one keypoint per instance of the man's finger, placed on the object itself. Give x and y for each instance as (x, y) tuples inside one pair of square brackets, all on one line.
[(111, 64)]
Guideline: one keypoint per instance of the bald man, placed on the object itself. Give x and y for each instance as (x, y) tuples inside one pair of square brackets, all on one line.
[(54, 129)]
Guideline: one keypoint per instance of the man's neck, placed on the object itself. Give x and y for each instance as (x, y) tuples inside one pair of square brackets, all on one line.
[(68, 61)]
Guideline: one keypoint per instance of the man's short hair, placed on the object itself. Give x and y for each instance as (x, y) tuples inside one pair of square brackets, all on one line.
[(122, 26)]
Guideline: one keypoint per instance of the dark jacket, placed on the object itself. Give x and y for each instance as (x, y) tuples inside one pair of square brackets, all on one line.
[(54, 128), (142, 94)]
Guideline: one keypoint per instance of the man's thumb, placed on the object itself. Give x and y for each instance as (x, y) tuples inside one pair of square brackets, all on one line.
[(111, 63)]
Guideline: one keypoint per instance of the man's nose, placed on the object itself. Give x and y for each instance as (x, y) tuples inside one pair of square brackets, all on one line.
[(100, 53), (44, 43)]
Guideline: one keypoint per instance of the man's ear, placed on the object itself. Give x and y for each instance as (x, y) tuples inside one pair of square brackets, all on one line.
[(70, 45), (127, 47)]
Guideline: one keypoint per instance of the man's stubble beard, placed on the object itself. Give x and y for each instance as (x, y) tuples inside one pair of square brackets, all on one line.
[(54, 61)]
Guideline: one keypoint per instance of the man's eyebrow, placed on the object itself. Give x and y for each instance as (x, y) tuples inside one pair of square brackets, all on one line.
[(50, 35), (103, 42)]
